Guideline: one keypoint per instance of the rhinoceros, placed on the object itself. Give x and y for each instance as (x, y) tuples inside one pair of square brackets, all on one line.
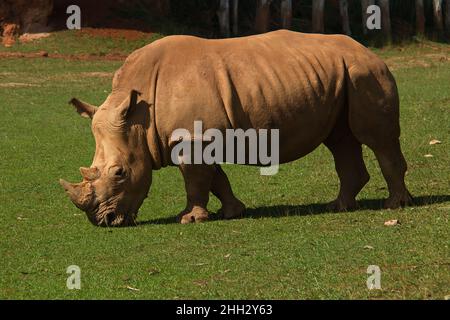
[(313, 88)]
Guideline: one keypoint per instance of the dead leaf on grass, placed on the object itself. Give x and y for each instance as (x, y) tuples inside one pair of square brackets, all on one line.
[(200, 264), (153, 271), (390, 223), (435, 141), (132, 289)]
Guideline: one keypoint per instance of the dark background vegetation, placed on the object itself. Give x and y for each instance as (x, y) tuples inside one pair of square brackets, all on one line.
[(200, 17)]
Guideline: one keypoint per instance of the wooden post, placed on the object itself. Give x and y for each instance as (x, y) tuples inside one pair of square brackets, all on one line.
[(224, 17), (262, 16), (235, 17), (437, 13), (447, 17), (365, 4), (420, 18), (286, 14), (317, 16), (386, 20), (343, 10)]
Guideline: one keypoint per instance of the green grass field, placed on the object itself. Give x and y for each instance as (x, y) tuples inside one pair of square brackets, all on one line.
[(287, 246)]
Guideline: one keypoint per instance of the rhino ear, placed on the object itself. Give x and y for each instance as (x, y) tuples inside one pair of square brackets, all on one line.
[(84, 109), (127, 106)]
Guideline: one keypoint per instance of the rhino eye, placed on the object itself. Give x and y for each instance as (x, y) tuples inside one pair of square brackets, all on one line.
[(118, 172)]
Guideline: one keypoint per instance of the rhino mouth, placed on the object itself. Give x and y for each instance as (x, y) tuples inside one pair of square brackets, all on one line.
[(113, 219), (109, 213)]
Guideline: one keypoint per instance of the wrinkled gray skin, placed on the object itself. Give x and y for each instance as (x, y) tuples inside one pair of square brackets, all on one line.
[(313, 88)]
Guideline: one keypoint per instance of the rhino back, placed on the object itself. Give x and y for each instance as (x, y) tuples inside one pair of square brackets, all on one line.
[(283, 80), (286, 80)]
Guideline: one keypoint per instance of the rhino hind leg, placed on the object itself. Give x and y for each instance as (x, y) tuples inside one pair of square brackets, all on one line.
[(350, 167), (232, 207), (393, 166), (375, 123), (197, 181)]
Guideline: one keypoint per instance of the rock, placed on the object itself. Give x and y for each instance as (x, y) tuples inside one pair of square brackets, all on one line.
[(28, 37), (10, 30)]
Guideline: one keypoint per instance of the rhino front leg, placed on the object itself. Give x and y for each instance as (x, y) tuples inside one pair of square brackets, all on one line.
[(232, 207), (197, 180)]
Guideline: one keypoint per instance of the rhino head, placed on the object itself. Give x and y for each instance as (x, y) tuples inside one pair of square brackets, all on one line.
[(118, 181)]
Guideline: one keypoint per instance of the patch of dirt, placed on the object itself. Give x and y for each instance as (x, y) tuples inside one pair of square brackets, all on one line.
[(17, 85), (424, 61), (113, 33), (83, 57), (97, 74)]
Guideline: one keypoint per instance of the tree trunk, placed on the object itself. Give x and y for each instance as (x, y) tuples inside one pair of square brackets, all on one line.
[(365, 4), (420, 18), (286, 14), (224, 17), (262, 16), (437, 12), (162, 8), (343, 10), (447, 17), (235, 17), (317, 16), (386, 20)]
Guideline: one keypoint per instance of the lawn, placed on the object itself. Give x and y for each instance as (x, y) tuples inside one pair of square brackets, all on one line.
[(287, 245)]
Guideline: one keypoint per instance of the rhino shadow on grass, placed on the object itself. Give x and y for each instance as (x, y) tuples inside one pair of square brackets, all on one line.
[(280, 211)]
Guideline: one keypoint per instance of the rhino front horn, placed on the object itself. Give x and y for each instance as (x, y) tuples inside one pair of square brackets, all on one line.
[(72, 190)]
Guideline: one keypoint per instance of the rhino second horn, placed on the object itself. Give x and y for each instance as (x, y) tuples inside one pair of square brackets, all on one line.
[(90, 174)]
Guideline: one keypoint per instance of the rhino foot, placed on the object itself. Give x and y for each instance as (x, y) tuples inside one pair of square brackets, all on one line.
[(232, 210), (403, 199), (196, 214), (340, 205)]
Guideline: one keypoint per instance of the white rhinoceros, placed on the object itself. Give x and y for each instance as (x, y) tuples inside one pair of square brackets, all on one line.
[(313, 88)]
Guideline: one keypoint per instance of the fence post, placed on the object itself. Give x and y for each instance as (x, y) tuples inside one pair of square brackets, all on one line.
[(386, 20), (317, 16), (365, 4), (286, 14), (343, 10)]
